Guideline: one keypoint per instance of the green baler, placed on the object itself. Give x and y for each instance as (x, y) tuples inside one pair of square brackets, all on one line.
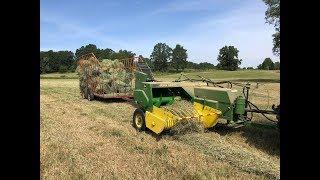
[(211, 104)]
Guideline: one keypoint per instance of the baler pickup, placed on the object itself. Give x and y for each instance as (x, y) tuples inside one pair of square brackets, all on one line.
[(159, 119)]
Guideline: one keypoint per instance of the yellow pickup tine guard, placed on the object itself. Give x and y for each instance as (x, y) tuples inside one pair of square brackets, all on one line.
[(160, 119)]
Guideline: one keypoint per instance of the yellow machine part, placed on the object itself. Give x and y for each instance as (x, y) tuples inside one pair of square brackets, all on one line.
[(207, 115), (160, 119)]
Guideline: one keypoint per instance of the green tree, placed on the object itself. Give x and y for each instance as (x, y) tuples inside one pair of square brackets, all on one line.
[(267, 64), (179, 58), (228, 58), (67, 59), (205, 66), (277, 65), (60, 61), (273, 17), (44, 64), (90, 48), (148, 61), (160, 56), (121, 54), (105, 53)]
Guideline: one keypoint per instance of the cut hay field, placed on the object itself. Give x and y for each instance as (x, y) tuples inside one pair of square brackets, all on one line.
[(80, 139), (242, 75)]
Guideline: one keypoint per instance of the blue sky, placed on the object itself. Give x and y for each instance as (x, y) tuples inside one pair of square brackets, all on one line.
[(201, 26)]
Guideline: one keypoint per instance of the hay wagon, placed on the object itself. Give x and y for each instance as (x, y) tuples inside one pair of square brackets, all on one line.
[(108, 79)]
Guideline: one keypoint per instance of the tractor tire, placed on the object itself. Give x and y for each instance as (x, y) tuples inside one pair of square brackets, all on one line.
[(139, 120)]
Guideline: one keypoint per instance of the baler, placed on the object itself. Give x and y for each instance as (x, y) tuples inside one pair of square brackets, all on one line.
[(210, 104)]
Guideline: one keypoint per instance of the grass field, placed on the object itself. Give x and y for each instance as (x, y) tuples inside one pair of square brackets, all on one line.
[(251, 75), (95, 140)]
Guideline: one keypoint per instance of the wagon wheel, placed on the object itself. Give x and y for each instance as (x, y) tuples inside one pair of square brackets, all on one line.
[(90, 95), (139, 120), (84, 93)]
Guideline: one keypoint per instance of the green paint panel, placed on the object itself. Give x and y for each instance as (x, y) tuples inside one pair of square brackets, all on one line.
[(141, 98), (141, 86), (207, 102), (162, 101), (140, 78), (240, 105), (220, 95)]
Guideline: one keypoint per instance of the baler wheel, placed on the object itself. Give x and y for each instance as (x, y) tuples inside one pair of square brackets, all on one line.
[(139, 120)]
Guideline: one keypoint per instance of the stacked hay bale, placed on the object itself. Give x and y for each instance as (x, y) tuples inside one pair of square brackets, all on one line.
[(115, 77), (107, 77), (85, 72)]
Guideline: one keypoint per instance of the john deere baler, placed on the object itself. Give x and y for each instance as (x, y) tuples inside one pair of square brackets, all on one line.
[(209, 104)]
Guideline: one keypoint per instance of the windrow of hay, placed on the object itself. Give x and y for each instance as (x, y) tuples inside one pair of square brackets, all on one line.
[(184, 109), (105, 77), (187, 126), (181, 108), (82, 139)]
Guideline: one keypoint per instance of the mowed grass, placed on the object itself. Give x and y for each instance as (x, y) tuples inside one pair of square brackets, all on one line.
[(242, 75), (245, 75), (83, 139), (70, 75)]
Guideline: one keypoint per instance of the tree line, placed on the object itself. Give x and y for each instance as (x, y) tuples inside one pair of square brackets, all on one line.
[(163, 58), (66, 61), (268, 64)]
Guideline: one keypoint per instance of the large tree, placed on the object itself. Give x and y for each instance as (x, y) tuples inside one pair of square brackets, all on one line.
[(267, 64), (44, 64), (121, 54), (273, 17), (160, 56), (228, 58), (60, 61), (90, 48), (148, 61), (277, 65), (205, 66), (179, 58), (105, 53)]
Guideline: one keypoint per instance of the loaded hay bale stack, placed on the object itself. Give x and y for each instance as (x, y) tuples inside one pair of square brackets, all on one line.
[(115, 77), (106, 77)]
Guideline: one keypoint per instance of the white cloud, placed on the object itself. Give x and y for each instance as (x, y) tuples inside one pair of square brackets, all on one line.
[(243, 28), (190, 5), (68, 32)]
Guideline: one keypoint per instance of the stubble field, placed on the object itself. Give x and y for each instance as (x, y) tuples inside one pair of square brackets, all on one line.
[(83, 139)]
